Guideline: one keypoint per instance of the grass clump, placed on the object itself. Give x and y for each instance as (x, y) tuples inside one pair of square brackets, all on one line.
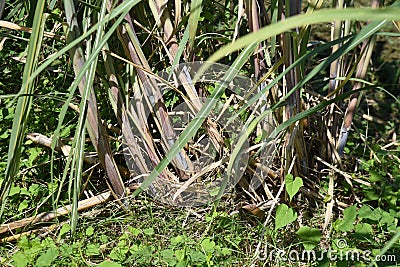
[(93, 107)]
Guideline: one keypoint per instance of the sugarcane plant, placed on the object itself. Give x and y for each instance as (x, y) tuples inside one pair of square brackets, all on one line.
[(143, 60)]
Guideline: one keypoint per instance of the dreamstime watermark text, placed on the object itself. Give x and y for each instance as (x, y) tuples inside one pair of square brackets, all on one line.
[(348, 255)]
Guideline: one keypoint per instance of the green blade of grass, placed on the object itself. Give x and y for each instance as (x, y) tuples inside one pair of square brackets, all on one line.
[(124, 7), (319, 16), (355, 40), (195, 10), (22, 110), (181, 48), (79, 77)]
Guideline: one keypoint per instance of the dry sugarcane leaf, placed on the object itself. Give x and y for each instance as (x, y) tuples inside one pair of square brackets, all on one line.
[(152, 91), (94, 126)]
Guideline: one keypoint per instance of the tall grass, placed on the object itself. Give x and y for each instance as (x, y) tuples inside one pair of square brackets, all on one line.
[(115, 49)]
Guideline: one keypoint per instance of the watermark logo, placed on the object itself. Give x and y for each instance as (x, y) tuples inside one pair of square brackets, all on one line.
[(341, 253), (217, 153)]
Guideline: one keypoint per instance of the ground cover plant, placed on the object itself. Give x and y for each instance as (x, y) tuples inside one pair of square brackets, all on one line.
[(201, 133)]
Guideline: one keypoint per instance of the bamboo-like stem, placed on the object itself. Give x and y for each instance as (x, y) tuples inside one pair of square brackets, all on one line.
[(335, 71), (294, 141), (362, 67)]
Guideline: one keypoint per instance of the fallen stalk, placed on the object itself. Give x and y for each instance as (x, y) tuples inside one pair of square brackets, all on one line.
[(48, 216)]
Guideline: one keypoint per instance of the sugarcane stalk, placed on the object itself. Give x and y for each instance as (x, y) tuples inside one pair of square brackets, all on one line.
[(362, 67)]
